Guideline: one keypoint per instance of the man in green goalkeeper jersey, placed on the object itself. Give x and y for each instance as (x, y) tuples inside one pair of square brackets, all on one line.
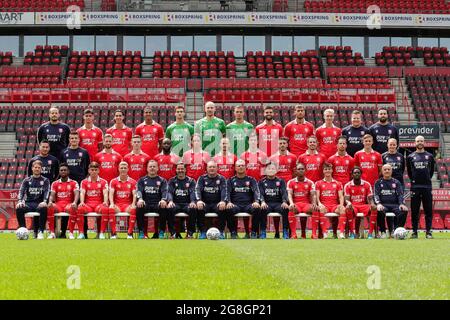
[(238, 131), (211, 129), (180, 132)]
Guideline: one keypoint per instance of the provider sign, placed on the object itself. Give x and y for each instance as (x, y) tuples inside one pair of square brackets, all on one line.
[(430, 131)]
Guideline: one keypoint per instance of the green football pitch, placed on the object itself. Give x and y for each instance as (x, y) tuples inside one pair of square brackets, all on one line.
[(225, 269)]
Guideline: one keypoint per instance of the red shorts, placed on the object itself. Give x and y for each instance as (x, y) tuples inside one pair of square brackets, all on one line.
[(123, 207), (303, 207), (62, 207), (331, 208), (363, 208), (93, 207)]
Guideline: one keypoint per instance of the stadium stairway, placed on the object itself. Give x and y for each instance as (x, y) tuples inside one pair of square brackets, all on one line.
[(403, 102), (241, 68), (147, 68), (446, 148), (194, 103), (8, 144)]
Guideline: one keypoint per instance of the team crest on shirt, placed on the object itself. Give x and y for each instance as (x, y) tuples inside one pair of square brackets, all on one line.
[(80, 154), (217, 181), (49, 162), (60, 130), (158, 183), (124, 134), (47, 130), (276, 183), (362, 132), (346, 161), (381, 185), (235, 184), (42, 183), (426, 157), (247, 183), (398, 158), (69, 187), (353, 191), (334, 186), (187, 185), (373, 157), (154, 129), (389, 131), (142, 160), (59, 187), (129, 186), (289, 160), (216, 125), (99, 185), (393, 185)]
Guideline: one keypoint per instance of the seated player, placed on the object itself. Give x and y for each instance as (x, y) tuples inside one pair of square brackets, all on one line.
[(122, 197), (33, 195), (330, 199), (196, 159), (358, 199), (182, 198), (302, 199), (152, 196), (94, 198), (274, 198), (64, 196)]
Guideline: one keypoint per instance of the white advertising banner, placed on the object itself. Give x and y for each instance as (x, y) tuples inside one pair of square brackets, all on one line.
[(16, 18)]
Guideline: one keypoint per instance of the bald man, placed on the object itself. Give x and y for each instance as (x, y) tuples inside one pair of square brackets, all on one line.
[(211, 129)]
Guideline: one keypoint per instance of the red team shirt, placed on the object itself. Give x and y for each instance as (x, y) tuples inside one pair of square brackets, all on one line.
[(268, 137), (121, 139), (151, 135), (301, 190), (167, 165), (94, 191), (255, 163), (328, 138), (329, 192), (195, 163), (369, 164), (225, 164), (64, 191), (298, 135), (313, 165), (358, 194), (342, 167), (90, 139), (137, 164), (109, 164), (123, 190), (286, 165)]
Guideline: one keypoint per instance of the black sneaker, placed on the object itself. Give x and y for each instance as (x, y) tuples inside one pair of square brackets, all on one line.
[(178, 236), (234, 235), (414, 235), (247, 236), (155, 236), (429, 235), (62, 236), (277, 235)]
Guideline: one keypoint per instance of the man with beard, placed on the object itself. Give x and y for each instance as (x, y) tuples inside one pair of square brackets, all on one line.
[(342, 162), (354, 133), (298, 131), (121, 134), (167, 161), (211, 129), (382, 131), (313, 161), (108, 159), (268, 133), (50, 164)]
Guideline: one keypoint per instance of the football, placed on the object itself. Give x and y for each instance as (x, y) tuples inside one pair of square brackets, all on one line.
[(213, 234), (400, 233), (22, 233)]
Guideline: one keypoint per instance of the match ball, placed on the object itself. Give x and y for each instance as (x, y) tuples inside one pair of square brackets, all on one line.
[(400, 233), (22, 233), (213, 234)]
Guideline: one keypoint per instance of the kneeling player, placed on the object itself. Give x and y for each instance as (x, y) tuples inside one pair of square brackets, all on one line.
[(64, 196), (122, 197)]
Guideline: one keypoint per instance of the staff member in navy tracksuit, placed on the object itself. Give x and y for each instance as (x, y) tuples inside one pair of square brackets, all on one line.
[(382, 131), (50, 164), (33, 196), (354, 133), (395, 159), (420, 167)]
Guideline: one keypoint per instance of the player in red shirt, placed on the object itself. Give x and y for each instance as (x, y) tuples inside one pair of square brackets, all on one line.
[(298, 131), (91, 137), (302, 199), (94, 198), (64, 197), (255, 159), (121, 134), (196, 159), (369, 161), (327, 134), (122, 197), (285, 160), (167, 161), (359, 199), (330, 199), (268, 133), (342, 162), (108, 160), (137, 159), (313, 161), (225, 160), (151, 133)]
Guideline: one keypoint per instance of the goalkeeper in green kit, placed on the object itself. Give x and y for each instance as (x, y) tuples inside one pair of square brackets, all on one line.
[(239, 131), (180, 132), (211, 129)]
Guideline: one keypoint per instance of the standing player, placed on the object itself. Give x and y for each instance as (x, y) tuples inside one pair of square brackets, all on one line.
[(151, 133), (122, 197), (254, 158), (330, 198), (354, 134), (64, 197), (269, 132), (358, 199), (243, 196), (298, 131), (225, 159), (121, 134), (395, 159), (420, 165), (369, 161), (33, 196), (238, 131), (108, 160), (196, 159), (274, 198), (55, 132), (94, 198), (76, 158), (180, 132), (342, 163), (327, 134), (167, 161), (152, 197), (313, 161), (50, 164), (302, 199), (211, 129), (91, 137), (382, 131)]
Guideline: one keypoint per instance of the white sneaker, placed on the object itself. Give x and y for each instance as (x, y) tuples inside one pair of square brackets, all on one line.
[(383, 235), (341, 236), (325, 235), (113, 237), (129, 237), (81, 236), (51, 236), (101, 236), (40, 236), (71, 237)]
